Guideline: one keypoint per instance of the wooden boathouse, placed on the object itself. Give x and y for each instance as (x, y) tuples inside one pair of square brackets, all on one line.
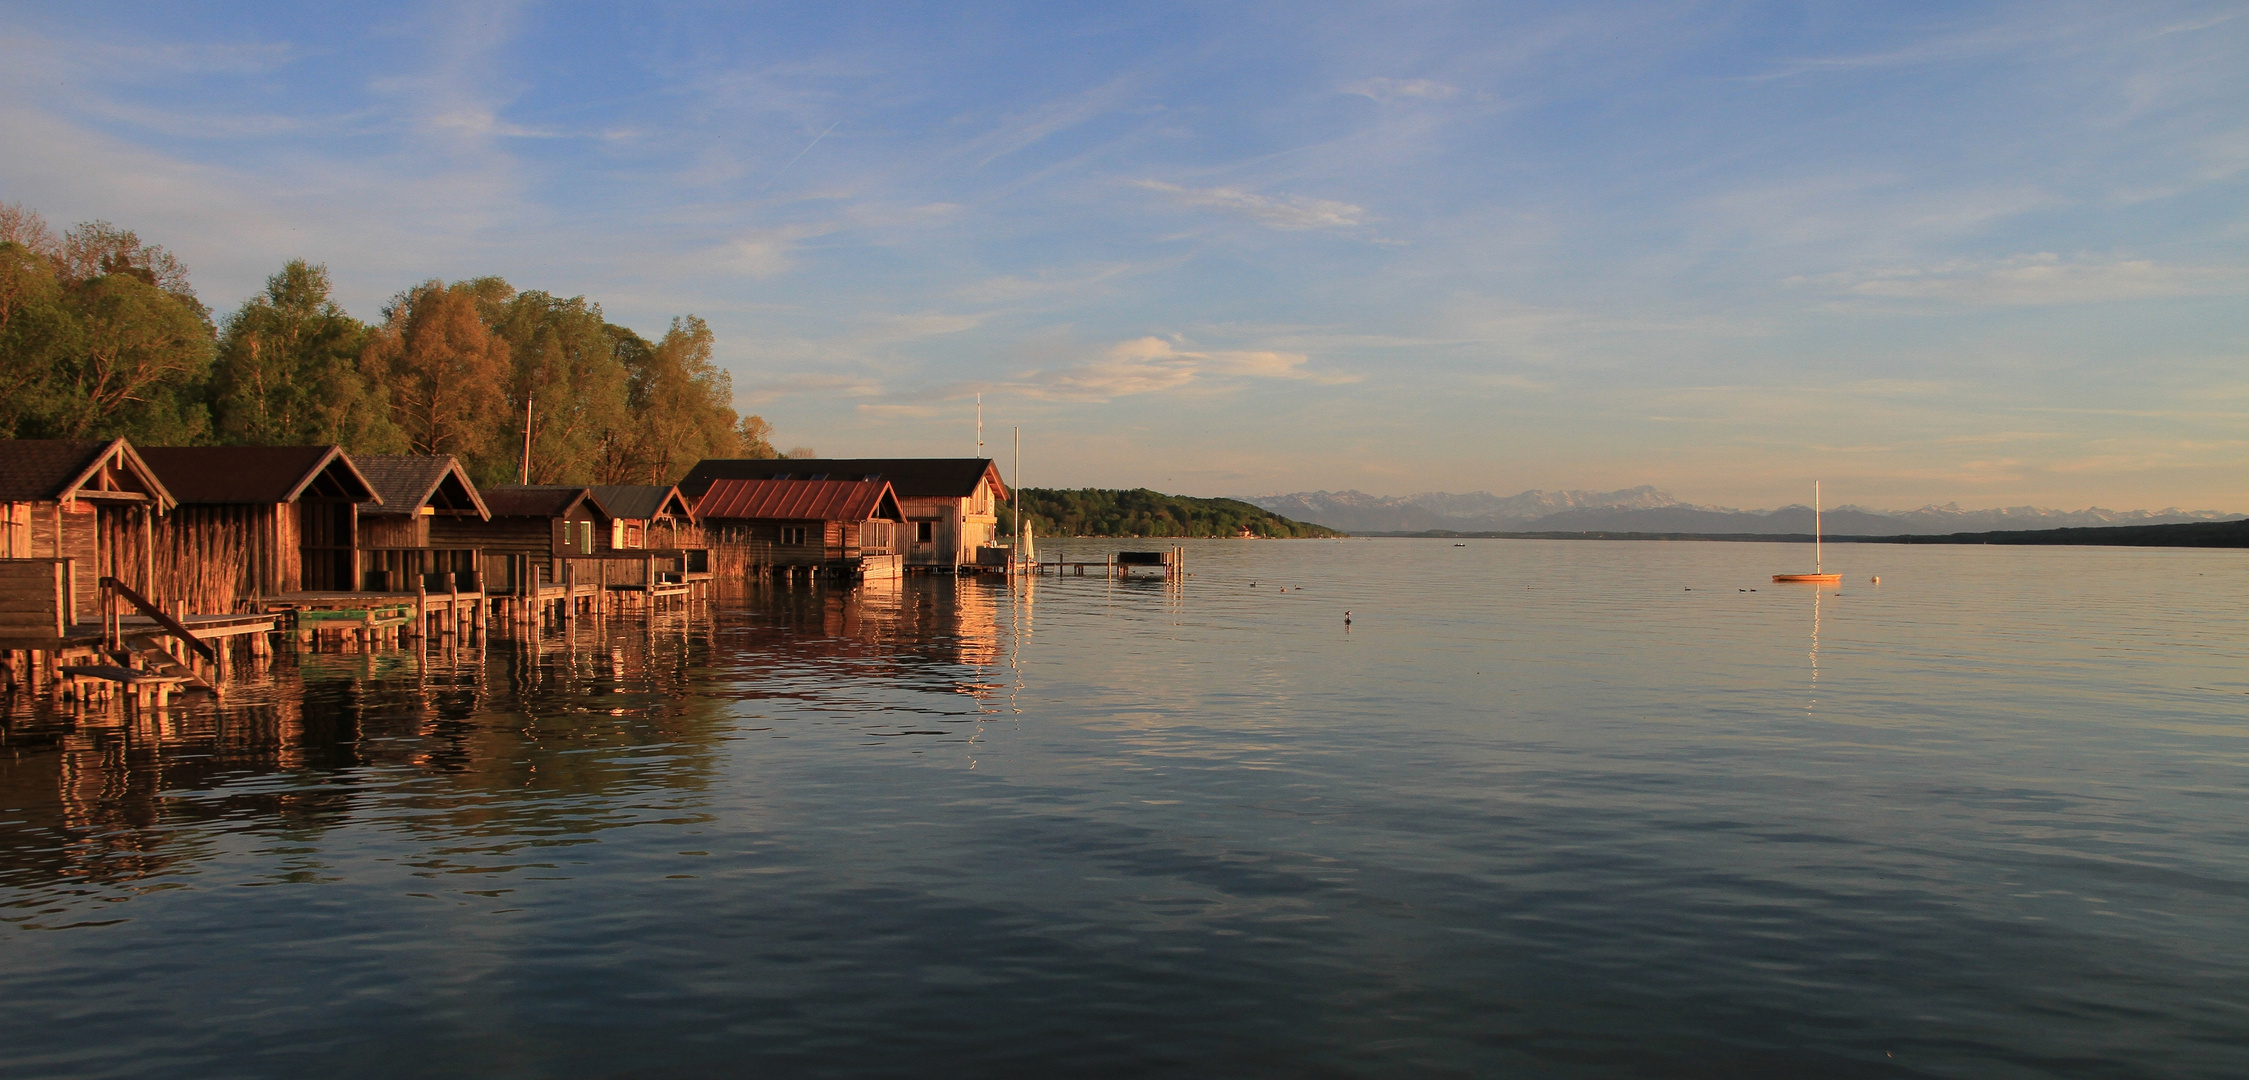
[(848, 529), (648, 517), (529, 544), (80, 509), (395, 549), (89, 596), (951, 505), (656, 548), (257, 523)]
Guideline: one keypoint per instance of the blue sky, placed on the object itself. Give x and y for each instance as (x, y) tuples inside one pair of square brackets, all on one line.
[(1991, 253)]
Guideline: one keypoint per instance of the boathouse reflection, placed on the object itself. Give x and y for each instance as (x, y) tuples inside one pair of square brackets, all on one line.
[(483, 739)]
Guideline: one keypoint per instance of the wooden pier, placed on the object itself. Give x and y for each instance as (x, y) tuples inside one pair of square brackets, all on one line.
[(1171, 564)]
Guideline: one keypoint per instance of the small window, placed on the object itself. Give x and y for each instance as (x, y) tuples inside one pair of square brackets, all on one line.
[(792, 534), (817, 476), (925, 532)]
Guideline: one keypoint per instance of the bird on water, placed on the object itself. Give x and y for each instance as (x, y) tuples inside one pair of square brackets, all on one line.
[(1346, 618)]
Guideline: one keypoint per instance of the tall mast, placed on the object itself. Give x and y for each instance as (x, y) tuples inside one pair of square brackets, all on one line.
[(979, 425), (1818, 566), (1016, 493), (526, 438)]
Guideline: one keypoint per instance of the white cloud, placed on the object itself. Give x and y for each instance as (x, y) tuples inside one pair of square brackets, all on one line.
[(1290, 212), (825, 385), (1389, 90), (1152, 365), (2042, 278)]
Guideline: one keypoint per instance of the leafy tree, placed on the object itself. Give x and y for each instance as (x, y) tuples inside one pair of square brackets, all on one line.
[(100, 335), (754, 438), (136, 364), (681, 405), (35, 331), (566, 366), (288, 371), (446, 375), (98, 248)]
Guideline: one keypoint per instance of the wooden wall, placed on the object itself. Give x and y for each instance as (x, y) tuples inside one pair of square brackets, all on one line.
[(394, 531), (739, 548), (217, 558), (103, 537), (31, 598)]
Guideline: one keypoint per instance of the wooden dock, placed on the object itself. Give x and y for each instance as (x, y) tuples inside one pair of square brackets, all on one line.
[(1170, 564)]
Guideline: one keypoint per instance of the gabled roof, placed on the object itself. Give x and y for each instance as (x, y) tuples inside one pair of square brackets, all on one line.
[(211, 475), (643, 502), (409, 482), (911, 478), (44, 470), (539, 500), (799, 500)]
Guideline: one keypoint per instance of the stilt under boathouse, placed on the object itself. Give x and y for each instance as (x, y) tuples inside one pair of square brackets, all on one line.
[(847, 530)]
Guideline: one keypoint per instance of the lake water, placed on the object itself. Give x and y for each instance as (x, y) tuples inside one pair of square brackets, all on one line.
[(1542, 809)]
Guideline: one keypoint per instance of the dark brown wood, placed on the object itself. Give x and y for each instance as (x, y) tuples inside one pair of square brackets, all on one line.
[(162, 619)]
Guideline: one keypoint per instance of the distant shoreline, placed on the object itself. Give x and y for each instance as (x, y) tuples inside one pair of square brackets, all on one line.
[(2214, 534)]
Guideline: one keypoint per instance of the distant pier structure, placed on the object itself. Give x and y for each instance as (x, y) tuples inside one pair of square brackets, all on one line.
[(1170, 564)]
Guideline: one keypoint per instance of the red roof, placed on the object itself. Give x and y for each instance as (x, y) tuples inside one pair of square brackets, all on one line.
[(799, 500)]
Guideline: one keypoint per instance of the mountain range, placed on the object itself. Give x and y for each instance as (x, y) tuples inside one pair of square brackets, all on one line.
[(1651, 510)]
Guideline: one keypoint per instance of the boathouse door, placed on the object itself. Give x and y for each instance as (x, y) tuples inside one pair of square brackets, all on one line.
[(327, 534)]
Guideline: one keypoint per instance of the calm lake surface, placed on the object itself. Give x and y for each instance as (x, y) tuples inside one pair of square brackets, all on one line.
[(1543, 809)]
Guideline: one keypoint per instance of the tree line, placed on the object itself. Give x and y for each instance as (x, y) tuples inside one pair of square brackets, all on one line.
[(1141, 512), (102, 335)]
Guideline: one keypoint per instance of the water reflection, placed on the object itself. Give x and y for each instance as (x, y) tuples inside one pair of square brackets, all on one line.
[(516, 739)]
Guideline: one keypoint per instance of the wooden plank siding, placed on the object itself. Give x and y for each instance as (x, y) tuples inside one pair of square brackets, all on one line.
[(101, 538), (738, 549), (219, 557), (32, 598)]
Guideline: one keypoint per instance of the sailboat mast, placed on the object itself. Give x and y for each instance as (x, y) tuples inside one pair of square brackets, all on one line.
[(1818, 565), (1017, 495)]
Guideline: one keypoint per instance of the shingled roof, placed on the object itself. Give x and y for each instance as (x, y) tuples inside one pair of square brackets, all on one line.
[(911, 478), (799, 500), (212, 475), (642, 502), (42, 470), (409, 482), (539, 500)]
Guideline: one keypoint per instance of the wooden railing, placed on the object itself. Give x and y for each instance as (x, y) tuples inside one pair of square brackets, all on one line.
[(119, 589)]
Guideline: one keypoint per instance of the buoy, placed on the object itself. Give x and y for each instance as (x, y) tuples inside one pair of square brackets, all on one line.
[(1877, 579)]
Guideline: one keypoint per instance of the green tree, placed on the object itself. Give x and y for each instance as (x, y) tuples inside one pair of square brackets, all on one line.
[(288, 371), (566, 365), (445, 373), (681, 404), (136, 365), (100, 335), (35, 332)]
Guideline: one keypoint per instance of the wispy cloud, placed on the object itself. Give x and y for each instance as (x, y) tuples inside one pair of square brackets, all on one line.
[(2037, 279), (1389, 90), (1289, 212), (1152, 365)]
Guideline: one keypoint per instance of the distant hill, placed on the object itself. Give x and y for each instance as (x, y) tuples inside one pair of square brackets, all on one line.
[(1141, 512), (1357, 511), (1650, 510)]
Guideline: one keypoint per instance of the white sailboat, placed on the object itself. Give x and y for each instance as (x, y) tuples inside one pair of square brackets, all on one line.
[(1818, 576)]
